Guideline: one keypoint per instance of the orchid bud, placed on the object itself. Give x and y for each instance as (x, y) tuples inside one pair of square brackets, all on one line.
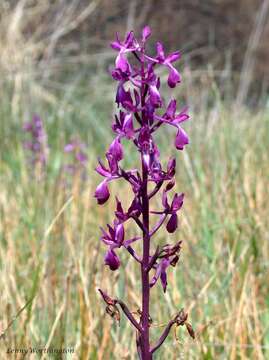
[(146, 33)]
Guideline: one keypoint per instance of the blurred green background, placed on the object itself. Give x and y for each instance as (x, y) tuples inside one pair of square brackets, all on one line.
[(54, 61)]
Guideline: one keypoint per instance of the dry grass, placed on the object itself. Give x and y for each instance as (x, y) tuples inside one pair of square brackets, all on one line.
[(33, 47), (50, 253)]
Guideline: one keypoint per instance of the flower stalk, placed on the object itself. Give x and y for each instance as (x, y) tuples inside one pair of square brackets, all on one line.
[(142, 112), (144, 341)]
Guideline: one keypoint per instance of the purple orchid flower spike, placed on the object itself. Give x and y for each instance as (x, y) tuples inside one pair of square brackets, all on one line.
[(141, 113), (37, 145)]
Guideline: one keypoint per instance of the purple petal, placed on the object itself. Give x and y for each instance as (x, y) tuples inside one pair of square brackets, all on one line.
[(171, 109), (161, 272), (116, 149), (129, 40), (172, 223), (149, 111), (128, 127), (122, 63), (155, 96), (128, 105), (144, 136), (118, 75), (111, 232), (146, 33), (160, 52), (130, 241), (173, 77), (122, 95), (119, 234), (156, 275), (171, 167), (119, 211), (112, 260), (170, 185), (177, 202), (135, 207), (101, 169), (106, 238), (113, 163), (181, 117), (164, 265), (116, 45), (102, 193), (173, 57), (181, 139), (164, 200), (119, 206), (146, 160)]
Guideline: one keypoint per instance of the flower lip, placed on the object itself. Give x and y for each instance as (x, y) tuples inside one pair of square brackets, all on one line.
[(181, 139), (172, 223), (112, 260), (102, 193)]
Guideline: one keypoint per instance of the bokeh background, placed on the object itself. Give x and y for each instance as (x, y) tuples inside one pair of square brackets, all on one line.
[(54, 62)]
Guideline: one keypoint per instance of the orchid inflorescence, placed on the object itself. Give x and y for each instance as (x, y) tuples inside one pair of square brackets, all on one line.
[(142, 112), (37, 144)]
